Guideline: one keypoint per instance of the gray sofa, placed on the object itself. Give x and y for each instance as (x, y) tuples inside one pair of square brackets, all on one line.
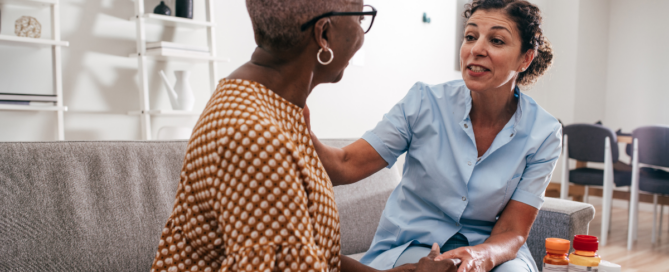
[(100, 206)]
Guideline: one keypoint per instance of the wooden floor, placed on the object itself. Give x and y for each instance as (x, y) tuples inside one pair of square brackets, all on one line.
[(644, 256)]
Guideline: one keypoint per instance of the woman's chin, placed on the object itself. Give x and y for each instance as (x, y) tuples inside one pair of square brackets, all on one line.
[(338, 77), (474, 85)]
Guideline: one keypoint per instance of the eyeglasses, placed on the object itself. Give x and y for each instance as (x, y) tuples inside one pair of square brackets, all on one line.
[(367, 16)]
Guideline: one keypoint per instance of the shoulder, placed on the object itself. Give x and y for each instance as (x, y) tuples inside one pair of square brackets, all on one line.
[(542, 130), (537, 118), (448, 94), (455, 88)]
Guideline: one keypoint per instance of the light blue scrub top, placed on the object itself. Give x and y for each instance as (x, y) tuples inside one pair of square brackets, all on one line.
[(445, 187)]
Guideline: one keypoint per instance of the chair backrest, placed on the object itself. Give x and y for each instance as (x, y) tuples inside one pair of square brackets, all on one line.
[(586, 142), (653, 145)]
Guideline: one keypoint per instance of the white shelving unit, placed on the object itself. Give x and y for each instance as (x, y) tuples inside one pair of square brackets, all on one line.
[(56, 45), (142, 18)]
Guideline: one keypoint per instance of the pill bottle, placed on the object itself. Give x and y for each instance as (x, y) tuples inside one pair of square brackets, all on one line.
[(556, 259), (584, 258)]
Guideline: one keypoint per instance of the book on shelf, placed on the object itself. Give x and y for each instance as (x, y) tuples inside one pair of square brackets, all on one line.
[(176, 52), (27, 103), (28, 97), (177, 46)]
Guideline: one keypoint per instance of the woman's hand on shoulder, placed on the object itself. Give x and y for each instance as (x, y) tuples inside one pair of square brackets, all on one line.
[(473, 258), (429, 264), (307, 117)]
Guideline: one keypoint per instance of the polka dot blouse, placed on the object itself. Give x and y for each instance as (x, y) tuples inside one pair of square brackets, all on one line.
[(253, 195)]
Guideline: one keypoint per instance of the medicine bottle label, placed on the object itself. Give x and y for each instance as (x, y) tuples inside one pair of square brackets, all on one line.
[(580, 268), (555, 268)]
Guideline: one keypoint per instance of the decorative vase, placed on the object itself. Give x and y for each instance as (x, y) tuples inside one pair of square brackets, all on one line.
[(184, 9), (27, 26), (181, 96), (162, 9)]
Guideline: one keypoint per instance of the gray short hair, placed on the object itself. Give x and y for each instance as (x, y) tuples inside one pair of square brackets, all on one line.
[(276, 23)]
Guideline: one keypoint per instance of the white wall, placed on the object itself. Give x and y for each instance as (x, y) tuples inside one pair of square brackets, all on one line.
[(101, 83), (399, 50), (637, 90)]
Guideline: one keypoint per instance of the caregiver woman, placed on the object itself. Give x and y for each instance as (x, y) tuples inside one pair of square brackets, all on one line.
[(479, 152)]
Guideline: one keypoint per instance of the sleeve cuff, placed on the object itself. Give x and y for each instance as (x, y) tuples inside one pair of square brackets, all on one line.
[(380, 148), (528, 198)]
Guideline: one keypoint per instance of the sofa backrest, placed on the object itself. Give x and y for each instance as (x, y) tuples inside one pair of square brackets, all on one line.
[(101, 206), (85, 206)]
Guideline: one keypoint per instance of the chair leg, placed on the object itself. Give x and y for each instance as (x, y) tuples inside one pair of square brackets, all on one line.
[(636, 222), (564, 186), (659, 233), (634, 196), (653, 235), (586, 193), (610, 219)]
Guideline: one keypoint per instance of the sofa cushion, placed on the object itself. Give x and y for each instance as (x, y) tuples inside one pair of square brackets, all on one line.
[(85, 206)]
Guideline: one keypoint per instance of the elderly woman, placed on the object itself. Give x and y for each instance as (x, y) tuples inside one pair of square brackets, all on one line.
[(253, 195), (479, 153)]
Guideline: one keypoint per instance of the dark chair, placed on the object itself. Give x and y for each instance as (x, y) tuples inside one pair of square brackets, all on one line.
[(651, 148), (593, 143)]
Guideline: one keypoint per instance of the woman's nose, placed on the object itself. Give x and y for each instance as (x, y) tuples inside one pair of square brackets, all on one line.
[(478, 49)]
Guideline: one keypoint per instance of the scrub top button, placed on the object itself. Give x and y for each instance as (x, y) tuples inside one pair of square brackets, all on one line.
[(466, 126), (464, 198), (469, 163)]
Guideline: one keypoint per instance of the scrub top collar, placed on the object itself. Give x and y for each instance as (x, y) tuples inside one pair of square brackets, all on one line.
[(511, 126)]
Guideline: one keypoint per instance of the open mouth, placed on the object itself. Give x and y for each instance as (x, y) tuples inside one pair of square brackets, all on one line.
[(477, 69)]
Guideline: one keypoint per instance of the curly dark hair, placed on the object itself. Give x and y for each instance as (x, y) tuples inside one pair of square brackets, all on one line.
[(528, 21)]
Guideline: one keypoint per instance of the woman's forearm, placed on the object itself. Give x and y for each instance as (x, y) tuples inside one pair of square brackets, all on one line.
[(349, 164), (351, 265), (500, 248), (510, 232), (333, 160)]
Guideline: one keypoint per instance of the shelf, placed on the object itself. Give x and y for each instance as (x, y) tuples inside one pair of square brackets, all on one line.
[(24, 40), (31, 108), (172, 21), (167, 113), (179, 57), (33, 3)]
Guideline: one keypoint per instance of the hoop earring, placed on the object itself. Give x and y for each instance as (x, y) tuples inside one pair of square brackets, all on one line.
[(318, 56)]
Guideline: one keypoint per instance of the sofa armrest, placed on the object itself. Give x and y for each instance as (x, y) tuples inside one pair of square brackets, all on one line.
[(558, 218)]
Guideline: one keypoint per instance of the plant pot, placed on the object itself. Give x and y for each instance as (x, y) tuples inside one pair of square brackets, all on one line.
[(184, 9)]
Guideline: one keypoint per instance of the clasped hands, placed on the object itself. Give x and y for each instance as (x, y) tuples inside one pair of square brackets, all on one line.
[(464, 259)]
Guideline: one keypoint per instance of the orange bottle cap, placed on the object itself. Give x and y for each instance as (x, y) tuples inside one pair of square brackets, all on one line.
[(557, 245)]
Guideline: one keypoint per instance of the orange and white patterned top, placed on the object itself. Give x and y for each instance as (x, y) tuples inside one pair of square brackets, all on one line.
[(253, 195)]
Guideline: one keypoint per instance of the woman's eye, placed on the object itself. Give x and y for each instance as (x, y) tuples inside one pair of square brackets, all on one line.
[(469, 38), (497, 41)]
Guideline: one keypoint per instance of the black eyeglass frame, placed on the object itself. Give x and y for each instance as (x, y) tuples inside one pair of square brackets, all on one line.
[(313, 21)]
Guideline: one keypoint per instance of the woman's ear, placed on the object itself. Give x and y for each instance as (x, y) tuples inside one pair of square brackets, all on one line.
[(528, 57), (322, 31)]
